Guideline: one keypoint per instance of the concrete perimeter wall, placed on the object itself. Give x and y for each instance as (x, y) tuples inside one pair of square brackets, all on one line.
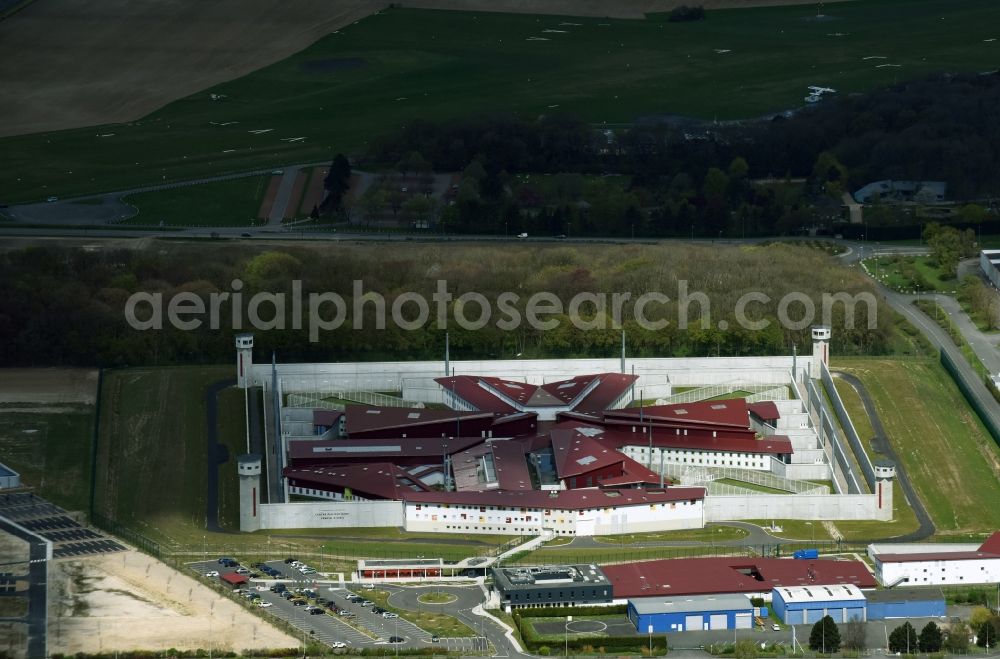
[(720, 508), (331, 514)]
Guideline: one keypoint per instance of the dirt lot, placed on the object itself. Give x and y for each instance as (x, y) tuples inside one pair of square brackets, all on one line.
[(129, 601), (74, 63), (48, 385)]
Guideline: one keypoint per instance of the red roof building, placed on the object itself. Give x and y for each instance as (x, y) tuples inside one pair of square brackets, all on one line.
[(233, 579), (393, 422), (708, 576)]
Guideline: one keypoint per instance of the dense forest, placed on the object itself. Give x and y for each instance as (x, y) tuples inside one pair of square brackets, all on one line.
[(62, 306), (689, 177)]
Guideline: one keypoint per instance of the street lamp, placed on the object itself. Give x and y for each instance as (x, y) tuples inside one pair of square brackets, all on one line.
[(569, 619)]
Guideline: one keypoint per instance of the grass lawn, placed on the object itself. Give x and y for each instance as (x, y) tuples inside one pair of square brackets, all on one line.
[(795, 529), (218, 203), (709, 534), (949, 457), (751, 486), (626, 554), (381, 72), (891, 272), (232, 433), (50, 446), (904, 520), (859, 417), (430, 621), (554, 638), (152, 452)]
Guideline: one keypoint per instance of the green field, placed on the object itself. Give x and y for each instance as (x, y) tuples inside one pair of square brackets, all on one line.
[(709, 534), (949, 457), (50, 446), (386, 70), (892, 271), (234, 202)]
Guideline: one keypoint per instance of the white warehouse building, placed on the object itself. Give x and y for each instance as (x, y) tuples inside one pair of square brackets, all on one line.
[(937, 564)]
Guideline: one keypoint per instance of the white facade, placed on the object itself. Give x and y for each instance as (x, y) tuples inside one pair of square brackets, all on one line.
[(697, 458), (467, 518), (941, 571), (331, 515)]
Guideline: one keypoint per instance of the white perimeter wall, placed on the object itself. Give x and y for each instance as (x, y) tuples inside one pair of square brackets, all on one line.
[(330, 514), (799, 506), (657, 376), (939, 573), (466, 519)]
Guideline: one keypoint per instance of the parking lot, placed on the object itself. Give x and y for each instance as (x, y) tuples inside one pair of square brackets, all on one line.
[(329, 627)]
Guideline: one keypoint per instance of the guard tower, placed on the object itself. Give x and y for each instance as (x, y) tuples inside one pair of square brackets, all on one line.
[(821, 350), (244, 361), (248, 467), (885, 472)]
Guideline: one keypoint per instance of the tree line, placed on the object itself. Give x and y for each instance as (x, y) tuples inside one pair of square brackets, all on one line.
[(65, 306), (696, 177)]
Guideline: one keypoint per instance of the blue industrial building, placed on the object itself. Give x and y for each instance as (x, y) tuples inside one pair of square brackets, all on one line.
[(695, 612), (798, 605), (905, 603)]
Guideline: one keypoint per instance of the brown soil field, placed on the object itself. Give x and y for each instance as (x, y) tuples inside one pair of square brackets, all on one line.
[(128, 601), (314, 191), (74, 63), (48, 385), (268, 202)]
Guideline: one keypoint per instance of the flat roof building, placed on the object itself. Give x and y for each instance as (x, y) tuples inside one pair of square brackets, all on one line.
[(567, 585), (905, 603), (695, 613)]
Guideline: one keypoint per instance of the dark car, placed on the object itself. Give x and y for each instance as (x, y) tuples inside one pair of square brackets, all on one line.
[(299, 602), (290, 559), (397, 639), (378, 609), (245, 235), (316, 612), (225, 560), (435, 638)]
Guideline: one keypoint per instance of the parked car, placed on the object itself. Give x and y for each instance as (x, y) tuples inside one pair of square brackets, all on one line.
[(396, 639), (435, 639), (213, 573), (51, 199), (389, 615), (338, 644), (367, 603), (345, 613), (316, 611), (370, 586), (225, 559), (299, 602), (262, 604), (242, 570), (290, 559), (378, 609), (776, 627)]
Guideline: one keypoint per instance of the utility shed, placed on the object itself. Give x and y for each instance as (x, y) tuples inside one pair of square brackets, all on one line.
[(808, 604), (905, 603), (697, 612)]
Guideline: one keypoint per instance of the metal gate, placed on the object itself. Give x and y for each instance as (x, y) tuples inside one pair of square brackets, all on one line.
[(692, 623), (718, 621), (744, 621)]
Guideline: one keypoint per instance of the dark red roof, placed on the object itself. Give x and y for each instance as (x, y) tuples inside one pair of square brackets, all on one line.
[(372, 481), (326, 417), (467, 388), (728, 412), (361, 418), (773, 444), (511, 465), (581, 499), (992, 544), (706, 576), (588, 393), (577, 453), (234, 578), (344, 450), (765, 410), (610, 388)]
